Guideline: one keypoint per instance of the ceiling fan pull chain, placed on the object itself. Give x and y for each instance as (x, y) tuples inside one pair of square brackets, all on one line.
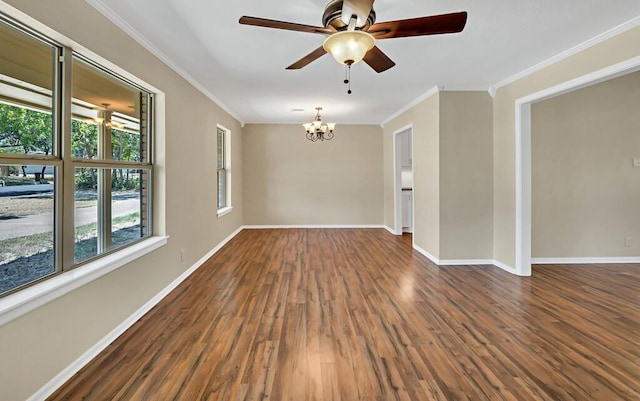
[(348, 80), (346, 74)]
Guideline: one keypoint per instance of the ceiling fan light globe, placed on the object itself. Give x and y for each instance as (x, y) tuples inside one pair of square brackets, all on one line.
[(349, 47)]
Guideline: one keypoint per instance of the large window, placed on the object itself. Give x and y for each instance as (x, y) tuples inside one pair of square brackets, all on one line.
[(75, 159), (223, 171)]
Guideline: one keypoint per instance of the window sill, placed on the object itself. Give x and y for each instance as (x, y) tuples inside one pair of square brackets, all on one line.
[(15, 305), (224, 210)]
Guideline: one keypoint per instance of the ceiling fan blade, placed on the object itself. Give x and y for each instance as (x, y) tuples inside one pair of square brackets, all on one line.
[(378, 60), (303, 62), (361, 8), (432, 25), (289, 26)]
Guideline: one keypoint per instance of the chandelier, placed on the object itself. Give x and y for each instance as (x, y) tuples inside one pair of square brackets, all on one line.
[(317, 130)]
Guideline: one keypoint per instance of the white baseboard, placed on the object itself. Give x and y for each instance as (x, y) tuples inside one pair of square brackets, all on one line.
[(465, 262), (580, 261), (92, 352), (427, 254), (391, 230), (505, 267), (286, 226)]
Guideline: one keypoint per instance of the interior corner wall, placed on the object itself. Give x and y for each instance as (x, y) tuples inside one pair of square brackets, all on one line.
[(452, 174), (425, 119), (37, 346), (466, 176), (585, 190), (615, 50), (290, 180)]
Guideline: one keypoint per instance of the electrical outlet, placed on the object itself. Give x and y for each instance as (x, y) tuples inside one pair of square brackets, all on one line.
[(636, 162), (182, 255), (628, 241)]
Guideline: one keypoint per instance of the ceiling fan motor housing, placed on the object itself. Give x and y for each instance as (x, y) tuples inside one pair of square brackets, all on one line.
[(333, 17)]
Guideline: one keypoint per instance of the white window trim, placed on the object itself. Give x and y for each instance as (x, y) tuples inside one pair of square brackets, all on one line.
[(227, 166), (25, 300), (224, 210)]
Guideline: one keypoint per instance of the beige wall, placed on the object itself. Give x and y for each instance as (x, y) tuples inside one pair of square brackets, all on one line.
[(466, 175), (39, 345), (617, 49), (292, 181), (425, 119), (452, 168), (586, 192)]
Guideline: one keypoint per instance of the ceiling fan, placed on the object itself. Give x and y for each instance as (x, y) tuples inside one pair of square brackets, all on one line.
[(352, 31)]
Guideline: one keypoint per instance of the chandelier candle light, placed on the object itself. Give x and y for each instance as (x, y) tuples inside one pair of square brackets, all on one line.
[(317, 130)]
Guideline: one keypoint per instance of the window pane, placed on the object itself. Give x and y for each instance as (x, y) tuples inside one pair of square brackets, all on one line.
[(125, 219), (84, 139), (126, 206), (222, 197), (26, 82), (86, 214), (221, 146), (111, 119), (125, 146), (26, 227)]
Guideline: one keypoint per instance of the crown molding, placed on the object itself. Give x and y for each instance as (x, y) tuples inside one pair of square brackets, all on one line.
[(464, 88), (433, 91), (144, 42), (420, 99), (624, 27)]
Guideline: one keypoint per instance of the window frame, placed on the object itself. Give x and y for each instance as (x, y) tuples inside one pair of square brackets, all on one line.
[(102, 164), (223, 168), (69, 275)]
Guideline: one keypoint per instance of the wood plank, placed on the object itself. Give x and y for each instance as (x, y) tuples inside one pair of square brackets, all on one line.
[(356, 314)]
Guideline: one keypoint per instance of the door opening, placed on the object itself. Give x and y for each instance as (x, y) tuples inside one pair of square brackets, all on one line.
[(403, 180)]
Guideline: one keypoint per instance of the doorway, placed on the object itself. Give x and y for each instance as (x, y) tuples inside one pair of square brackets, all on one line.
[(523, 152), (403, 180)]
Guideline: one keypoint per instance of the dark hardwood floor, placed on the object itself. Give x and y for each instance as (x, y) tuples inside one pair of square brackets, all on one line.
[(345, 314)]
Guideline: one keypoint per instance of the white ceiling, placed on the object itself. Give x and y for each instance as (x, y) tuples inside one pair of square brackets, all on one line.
[(243, 67)]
